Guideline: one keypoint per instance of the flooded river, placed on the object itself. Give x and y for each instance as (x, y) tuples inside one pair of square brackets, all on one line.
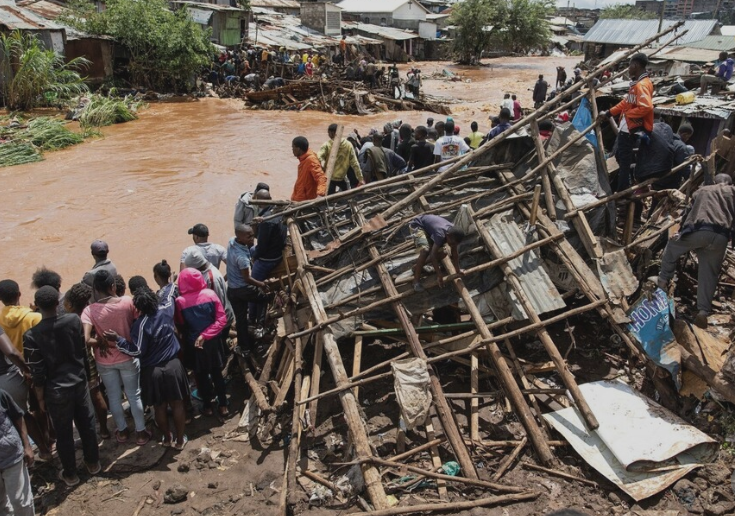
[(143, 184)]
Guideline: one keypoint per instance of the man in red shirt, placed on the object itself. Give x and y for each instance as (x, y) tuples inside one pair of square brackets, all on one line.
[(310, 181)]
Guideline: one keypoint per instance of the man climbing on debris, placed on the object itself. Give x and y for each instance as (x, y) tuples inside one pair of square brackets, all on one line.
[(244, 210), (310, 180), (705, 229), (721, 77), (430, 233), (346, 158), (637, 117)]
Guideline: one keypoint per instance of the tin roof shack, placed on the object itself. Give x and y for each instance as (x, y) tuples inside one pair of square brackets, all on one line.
[(13, 17), (290, 7), (401, 14), (398, 44), (98, 50), (324, 17), (229, 24), (709, 116), (608, 36)]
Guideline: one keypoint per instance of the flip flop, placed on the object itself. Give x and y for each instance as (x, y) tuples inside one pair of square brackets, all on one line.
[(119, 437), (182, 445), (143, 442), (94, 468), (165, 443), (70, 482)]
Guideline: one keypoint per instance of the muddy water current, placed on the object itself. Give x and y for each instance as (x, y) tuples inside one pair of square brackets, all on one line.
[(142, 185)]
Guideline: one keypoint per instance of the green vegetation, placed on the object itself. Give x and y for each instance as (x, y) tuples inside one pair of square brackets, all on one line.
[(167, 49), (50, 134), (18, 153), (627, 12), (38, 77), (103, 111), (513, 25)]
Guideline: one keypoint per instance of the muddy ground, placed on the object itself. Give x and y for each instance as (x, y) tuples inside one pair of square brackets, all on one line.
[(189, 162)]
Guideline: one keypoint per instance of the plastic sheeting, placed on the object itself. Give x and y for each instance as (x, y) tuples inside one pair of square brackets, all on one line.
[(640, 446), (412, 390)]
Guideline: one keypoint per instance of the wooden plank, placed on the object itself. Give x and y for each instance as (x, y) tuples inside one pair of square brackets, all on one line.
[(435, 460), (474, 402), (316, 376), (356, 361)]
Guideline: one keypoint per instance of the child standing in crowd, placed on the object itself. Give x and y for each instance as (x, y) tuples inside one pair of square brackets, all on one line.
[(201, 318)]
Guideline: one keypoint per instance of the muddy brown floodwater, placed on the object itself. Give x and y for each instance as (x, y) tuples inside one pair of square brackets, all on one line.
[(143, 184)]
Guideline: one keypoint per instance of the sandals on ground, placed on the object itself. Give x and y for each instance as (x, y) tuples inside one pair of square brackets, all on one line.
[(120, 438), (145, 440), (180, 447), (93, 469), (70, 482)]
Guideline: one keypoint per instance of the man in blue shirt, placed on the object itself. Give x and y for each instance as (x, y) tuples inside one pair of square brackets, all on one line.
[(721, 77), (242, 288), (503, 126)]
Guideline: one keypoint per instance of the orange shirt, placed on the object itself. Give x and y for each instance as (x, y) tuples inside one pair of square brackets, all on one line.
[(637, 106), (310, 181)]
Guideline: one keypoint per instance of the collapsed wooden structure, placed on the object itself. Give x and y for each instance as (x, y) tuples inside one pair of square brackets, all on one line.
[(333, 96), (542, 247)]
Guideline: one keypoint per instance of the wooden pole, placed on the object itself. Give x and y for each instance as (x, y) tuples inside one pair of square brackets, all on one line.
[(295, 444), (444, 412), (453, 506), (534, 205), (316, 374), (542, 334), (474, 402), (350, 407), (545, 181)]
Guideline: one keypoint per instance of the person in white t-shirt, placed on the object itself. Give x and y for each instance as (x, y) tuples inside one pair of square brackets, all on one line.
[(449, 146), (507, 102)]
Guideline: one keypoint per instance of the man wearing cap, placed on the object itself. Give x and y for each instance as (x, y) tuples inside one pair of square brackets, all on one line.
[(100, 250), (214, 253)]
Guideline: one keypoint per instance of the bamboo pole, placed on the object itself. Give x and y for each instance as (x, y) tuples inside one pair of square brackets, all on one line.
[(453, 506), (295, 444), (444, 412), (542, 334), (350, 407), (545, 181)]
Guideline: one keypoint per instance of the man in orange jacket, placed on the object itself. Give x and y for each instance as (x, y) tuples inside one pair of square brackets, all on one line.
[(310, 181), (637, 117)]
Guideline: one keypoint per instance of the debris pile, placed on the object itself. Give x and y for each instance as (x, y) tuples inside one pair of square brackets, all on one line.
[(344, 97), (546, 270)]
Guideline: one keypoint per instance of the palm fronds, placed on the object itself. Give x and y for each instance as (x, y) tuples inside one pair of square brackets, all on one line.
[(102, 111)]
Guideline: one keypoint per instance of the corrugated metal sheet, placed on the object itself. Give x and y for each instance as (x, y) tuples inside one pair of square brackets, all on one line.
[(702, 107), (722, 43), (689, 55), (18, 18), (280, 30), (635, 32), (535, 282), (727, 30), (274, 4), (381, 32), (377, 6)]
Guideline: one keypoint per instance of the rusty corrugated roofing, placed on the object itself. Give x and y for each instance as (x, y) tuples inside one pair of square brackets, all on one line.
[(14, 17)]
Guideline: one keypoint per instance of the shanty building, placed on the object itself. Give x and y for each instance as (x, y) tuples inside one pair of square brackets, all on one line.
[(398, 44), (401, 14), (12, 18), (608, 36), (229, 24)]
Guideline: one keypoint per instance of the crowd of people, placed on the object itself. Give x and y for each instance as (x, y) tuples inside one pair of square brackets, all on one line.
[(70, 356)]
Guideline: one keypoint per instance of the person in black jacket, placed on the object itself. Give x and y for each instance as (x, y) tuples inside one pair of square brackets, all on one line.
[(267, 254), (56, 353)]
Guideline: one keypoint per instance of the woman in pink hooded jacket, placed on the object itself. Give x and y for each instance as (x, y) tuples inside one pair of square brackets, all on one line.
[(201, 319)]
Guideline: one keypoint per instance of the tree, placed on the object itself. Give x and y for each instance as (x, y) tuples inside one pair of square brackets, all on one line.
[(523, 25), (38, 76), (627, 12), (473, 19), (167, 49), (514, 25)]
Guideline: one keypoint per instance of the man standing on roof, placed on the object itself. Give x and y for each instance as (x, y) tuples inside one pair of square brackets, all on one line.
[(637, 116), (346, 158), (721, 77), (310, 181)]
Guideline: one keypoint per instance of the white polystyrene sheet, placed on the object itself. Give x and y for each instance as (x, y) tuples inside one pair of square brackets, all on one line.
[(640, 446)]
